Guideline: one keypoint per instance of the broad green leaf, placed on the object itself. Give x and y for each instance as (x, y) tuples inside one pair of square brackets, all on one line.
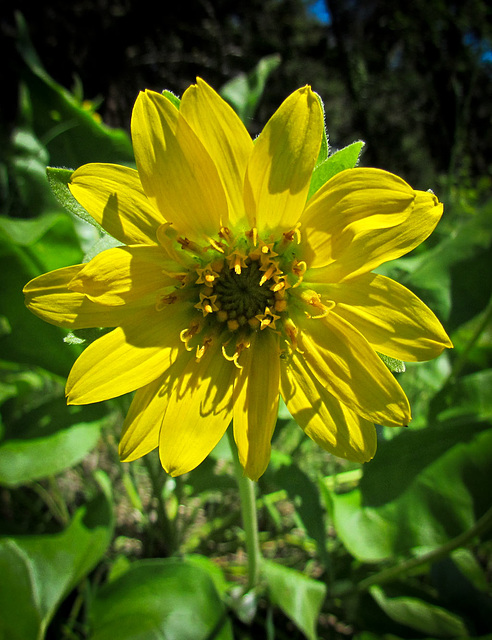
[(157, 599), (57, 438), (214, 571), (299, 596), (245, 90), (420, 615), (346, 158), (39, 571), (431, 484)]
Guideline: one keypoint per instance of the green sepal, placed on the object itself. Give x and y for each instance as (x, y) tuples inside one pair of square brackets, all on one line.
[(393, 364), (325, 147), (58, 180), (346, 158), (172, 98)]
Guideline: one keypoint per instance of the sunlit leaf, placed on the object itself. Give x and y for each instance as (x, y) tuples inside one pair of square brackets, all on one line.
[(432, 484), (299, 596), (420, 615), (155, 599), (346, 158), (39, 571)]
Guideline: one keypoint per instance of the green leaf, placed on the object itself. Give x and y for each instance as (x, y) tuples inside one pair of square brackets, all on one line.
[(346, 158), (420, 615), (432, 484), (245, 90), (59, 180), (26, 160), (324, 148), (39, 571), (394, 365), (299, 596), (155, 599), (172, 98), (42, 452)]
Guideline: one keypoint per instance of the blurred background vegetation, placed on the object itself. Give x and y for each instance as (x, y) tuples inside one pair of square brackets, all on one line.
[(400, 548)]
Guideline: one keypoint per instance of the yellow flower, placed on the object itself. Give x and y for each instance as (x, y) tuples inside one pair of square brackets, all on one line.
[(232, 287)]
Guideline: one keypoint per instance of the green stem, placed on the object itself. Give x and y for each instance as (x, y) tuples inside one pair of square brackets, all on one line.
[(248, 512), (157, 480), (388, 575), (462, 359)]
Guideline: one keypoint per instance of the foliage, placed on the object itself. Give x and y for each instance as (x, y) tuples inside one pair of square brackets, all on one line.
[(93, 549)]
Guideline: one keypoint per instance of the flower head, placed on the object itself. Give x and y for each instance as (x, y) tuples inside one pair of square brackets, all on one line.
[(232, 287)]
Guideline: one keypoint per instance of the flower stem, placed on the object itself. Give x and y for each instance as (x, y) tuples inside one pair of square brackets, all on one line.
[(248, 512), (393, 573)]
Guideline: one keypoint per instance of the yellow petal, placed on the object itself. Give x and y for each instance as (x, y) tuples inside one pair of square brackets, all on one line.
[(282, 162), (140, 433), (198, 412), (144, 418), (256, 394), (176, 171), (362, 218), (114, 197), (225, 138), (344, 362), (393, 320), (322, 417), (49, 298), (130, 356), (124, 274)]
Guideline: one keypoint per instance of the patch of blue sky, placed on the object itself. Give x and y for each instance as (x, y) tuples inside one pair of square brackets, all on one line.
[(319, 10)]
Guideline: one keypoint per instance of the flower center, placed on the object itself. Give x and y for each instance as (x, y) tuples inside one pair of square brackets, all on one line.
[(243, 288), (240, 294)]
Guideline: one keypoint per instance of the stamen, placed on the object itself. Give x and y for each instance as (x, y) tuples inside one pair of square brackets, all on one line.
[(189, 245), (226, 233), (252, 235), (207, 304), (187, 334), (291, 331), (162, 301), (267, 318), (201, 350), (237, 260), (207, 275), (299, 269), (289, 236), (314, 299), (270, 268)]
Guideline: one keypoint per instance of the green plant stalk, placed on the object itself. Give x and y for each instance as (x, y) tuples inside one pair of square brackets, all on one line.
[(162, 516), (249, 516), (461, 361), (388, 575)]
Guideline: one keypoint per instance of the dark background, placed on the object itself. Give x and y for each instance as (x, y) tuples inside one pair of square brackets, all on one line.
[(411, 79)]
